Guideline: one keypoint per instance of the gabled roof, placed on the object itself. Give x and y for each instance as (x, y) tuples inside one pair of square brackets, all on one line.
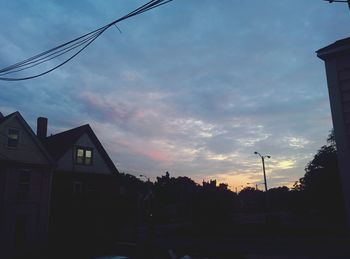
[(30, 132), (339, 46), (3, 119), (60, 143)]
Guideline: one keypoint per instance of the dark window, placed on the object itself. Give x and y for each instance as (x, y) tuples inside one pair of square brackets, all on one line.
[(23, 185), (84, 156), (12, 138), (77, 188)]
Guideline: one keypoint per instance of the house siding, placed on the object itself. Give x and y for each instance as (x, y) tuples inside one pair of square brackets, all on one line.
[(337, 63), (27, 150), (33, 209), (24, 212), (343, 67)]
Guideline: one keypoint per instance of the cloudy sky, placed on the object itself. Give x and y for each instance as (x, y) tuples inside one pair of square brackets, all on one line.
[(193, 87)]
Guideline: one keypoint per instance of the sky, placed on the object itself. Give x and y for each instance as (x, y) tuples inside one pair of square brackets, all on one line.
[(192, 87)]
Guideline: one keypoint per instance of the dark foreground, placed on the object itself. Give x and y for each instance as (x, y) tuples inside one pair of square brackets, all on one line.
[(236, 241)]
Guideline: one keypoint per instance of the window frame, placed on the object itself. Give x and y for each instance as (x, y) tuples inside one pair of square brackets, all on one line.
[(11, 139), (24, 185), (84, 158)]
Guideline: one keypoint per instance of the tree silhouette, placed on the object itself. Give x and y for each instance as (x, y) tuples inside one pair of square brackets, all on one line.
[(321, 182), (251, 200)]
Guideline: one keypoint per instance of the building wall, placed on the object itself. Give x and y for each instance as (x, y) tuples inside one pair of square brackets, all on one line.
[(67, 161), (27, 150), (23, 220), (86, 216), (338, 80)]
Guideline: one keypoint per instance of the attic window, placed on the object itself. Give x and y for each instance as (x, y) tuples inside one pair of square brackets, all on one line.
[(12, 138), (84, 156)]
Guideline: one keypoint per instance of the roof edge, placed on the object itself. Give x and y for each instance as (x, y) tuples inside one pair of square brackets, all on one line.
[(66, 131), (102, 150), (337, 47), (31, 133)]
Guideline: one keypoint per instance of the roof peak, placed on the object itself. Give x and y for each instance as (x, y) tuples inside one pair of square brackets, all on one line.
[(4, 118), (70, 130), (58, 144)]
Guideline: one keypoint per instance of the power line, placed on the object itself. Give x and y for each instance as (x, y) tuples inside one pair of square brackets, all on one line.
[(78, 44)]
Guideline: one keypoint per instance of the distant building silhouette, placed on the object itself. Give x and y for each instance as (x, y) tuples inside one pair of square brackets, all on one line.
[(209, 185)]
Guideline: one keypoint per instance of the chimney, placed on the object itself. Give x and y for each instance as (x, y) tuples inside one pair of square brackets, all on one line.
[(41, 128)]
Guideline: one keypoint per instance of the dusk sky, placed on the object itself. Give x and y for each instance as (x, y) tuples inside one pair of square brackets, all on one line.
[(193, 87)]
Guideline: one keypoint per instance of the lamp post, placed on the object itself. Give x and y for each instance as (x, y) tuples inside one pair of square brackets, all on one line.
[(263, 164), (265, 182)]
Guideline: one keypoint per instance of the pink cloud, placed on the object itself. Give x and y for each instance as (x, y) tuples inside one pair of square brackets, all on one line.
[(145, 150)]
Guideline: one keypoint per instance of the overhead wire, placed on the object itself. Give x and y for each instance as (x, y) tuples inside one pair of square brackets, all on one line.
[(79, 43), (137, 11), (46, 58)]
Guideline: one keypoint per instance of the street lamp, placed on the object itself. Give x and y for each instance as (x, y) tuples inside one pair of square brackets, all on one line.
[(263, 164)]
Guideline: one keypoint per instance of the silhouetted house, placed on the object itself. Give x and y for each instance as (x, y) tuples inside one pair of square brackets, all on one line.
[(25, 180), (337, 62), (85, 186)]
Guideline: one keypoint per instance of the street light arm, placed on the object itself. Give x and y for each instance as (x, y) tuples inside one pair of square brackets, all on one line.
[(257, 153)]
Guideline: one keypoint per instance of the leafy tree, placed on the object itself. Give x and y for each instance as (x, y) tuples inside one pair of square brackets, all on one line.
[(251, 200), (280, 198), (321, 183), (322, 168), (173, 197)]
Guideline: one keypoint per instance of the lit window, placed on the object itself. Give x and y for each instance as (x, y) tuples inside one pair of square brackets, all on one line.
[(88, 157), (80, 156), (84, 156), (12, 138)]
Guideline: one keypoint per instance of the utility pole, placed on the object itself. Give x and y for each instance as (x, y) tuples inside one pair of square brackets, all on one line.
[(265, 181), (263, 164)]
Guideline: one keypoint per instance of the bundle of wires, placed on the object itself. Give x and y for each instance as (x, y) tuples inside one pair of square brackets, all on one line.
[(77, 45)]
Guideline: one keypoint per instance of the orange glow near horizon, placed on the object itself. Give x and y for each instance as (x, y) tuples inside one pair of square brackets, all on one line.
[(238, 181)]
